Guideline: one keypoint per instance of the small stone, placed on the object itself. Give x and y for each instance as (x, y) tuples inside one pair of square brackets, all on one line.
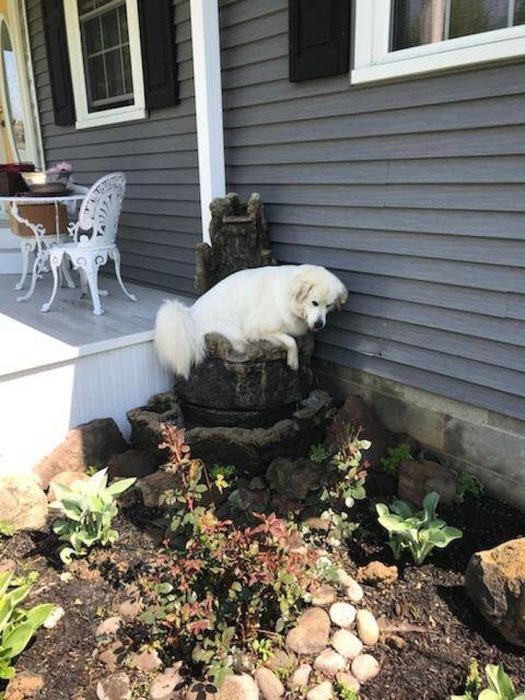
[(131, 608), (112, 655), (270, 686), (65, 478), (329, 662), (395, 641), (310, 634), (165, 683), (342, 614), (108, 627), (300, 677), (53, 619), (347, 644), (348, 681), (343, 578), (320, 524), (377, 573), (323, 691), (367, 628), (23, 504), (365, 667), (147, 661), (354, 592), (114, 687), (324, 595), (24, 686), (241, 687)]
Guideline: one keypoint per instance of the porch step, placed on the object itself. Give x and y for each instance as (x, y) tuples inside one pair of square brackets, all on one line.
[(10, 261)]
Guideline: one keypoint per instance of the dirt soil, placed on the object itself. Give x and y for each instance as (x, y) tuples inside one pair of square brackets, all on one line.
[(434, 629)]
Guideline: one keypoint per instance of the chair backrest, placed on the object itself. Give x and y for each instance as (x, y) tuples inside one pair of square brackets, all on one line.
[(100, 212)]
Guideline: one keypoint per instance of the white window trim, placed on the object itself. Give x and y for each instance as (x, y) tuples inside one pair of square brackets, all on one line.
[(115, 115), (374, 62)]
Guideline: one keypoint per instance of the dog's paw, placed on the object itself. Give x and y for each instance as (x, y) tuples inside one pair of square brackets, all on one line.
[(292, 361)]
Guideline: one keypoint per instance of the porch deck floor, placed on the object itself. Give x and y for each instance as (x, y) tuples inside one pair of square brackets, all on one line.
[(30, 338)]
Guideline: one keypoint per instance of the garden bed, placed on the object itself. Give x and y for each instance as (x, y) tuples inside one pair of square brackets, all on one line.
[(429, 628)]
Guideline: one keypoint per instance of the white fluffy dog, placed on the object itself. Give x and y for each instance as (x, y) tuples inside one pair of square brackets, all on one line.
[(265, 303)]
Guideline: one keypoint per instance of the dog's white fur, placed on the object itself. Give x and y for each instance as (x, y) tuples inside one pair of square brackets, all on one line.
[(265, 303)]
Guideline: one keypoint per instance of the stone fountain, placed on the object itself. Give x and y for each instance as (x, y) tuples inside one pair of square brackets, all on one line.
[(242, 409)]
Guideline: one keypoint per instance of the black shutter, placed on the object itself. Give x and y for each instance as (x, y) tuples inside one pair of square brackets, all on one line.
[(157, 33), (58, 62), (319, 38)]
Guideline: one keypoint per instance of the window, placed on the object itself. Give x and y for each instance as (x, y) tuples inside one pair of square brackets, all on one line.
[(396, 38), (105, 57)]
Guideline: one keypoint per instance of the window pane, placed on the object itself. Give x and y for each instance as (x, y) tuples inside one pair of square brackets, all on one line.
[(417, 22), (126, 61), (92, 35), (110, 28), (97, 79), (519, 12), (123, 22), (114, 73), (476, 16), (85, 6)]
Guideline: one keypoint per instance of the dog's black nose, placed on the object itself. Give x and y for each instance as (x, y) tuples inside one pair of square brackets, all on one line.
[(318, 325)]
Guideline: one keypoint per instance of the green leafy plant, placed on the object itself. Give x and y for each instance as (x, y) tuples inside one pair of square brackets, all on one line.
[(500, 686), (468, 486), (344, 692), (394, 457), (6, 530), (223, 476), (88, 509), (263, 649), (17, 624), (318, 453), (419, 532)]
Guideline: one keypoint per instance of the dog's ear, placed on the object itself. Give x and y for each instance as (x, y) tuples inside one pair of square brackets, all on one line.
[(342, 295), (301, 288)]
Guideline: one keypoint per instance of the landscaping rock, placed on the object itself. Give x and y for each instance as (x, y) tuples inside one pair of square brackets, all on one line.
[(114, 687), (65, 478), (347, 644), (131, 608), (354, 592), (241, 687), (367, 628), (356, 412), (24, 686), (495, 581), (136, 463), (377, 573), (342, 614), (311, 632), (294, 478), (88, 445), (300, 677), (165, 683), (323, 691), (147, 661), (417, 478), (147, 424), (154, 486), (270, 686), (112, 655), (349, 681), (329, 662), (23, 504), (108, 627), (365, 667), (324, 596)]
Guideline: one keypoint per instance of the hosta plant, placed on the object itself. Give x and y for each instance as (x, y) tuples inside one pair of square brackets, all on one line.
[(500, 686), (17, 624), (87, 509), (418, 532)]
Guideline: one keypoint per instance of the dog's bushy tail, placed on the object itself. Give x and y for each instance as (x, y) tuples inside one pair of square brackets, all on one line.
[(178, 342)]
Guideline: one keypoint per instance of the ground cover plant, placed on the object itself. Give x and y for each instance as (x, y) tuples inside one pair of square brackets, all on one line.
[(500, 686)]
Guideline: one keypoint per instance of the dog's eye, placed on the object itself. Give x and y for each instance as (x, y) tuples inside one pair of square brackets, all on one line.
[(315, 303)]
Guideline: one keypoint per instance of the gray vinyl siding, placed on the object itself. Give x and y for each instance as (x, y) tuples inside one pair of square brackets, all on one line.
[(160, 223), (412, 192)]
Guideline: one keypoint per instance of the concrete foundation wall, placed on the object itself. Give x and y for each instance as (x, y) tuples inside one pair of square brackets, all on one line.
[(488, 444)]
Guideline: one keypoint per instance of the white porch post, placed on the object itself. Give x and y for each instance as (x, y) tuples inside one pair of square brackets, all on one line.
[(208, 103)]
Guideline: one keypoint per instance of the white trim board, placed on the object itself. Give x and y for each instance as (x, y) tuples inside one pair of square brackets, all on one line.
[(373, 60), (208, 104)]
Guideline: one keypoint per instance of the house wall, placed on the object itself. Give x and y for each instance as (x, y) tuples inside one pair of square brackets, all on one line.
[(160, 223), (412, 192)]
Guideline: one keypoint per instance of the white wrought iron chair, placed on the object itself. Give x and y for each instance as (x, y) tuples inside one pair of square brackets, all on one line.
[(94, 239)]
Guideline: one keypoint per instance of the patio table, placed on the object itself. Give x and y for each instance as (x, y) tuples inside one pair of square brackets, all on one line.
[(41, 242)]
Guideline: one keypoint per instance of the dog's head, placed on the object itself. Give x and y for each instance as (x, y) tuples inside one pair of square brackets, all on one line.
[(314, 293)]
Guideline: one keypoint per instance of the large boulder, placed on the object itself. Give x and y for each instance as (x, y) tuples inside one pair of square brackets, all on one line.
[(88, 445), (294, 478), (417, 478), (147, 423), (495, 581), (23, 503)]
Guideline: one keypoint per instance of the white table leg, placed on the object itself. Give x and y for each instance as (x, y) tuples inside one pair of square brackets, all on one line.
[(27, 245)]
